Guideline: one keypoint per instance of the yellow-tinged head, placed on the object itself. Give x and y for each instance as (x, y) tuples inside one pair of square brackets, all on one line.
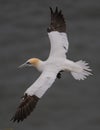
[(31, 62)]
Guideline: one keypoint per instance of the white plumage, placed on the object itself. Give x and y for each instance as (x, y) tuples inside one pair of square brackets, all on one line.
[(59, 44), (45, 81), (52, 67), (55, 63)]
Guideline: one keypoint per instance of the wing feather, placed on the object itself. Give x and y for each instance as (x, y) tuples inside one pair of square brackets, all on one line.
[(57, 21), (59, 44), (41, 85), (33, 94), (26, 106), (57, 34)]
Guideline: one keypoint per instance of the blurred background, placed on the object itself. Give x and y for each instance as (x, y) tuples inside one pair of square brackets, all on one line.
[(69, 104)]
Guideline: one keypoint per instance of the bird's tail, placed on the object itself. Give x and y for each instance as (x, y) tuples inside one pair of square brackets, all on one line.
[(84, 71)]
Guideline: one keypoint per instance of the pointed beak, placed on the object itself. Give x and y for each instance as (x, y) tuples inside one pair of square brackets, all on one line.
[(23, 65)]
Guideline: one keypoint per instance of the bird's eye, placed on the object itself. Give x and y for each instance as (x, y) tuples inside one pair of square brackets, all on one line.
[(28, 63)]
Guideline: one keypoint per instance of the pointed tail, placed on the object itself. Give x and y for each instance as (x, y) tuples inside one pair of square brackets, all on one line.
[(84, 72)]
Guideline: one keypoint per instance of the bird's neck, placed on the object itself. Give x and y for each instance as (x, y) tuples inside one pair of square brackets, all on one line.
[(40, 65)]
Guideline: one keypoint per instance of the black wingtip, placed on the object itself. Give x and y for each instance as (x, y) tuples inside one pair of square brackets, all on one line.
[(56, 10), (25, 108), (51, 9), (57, 21)]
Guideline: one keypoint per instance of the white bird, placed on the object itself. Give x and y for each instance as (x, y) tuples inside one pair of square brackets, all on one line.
[(52, 67)]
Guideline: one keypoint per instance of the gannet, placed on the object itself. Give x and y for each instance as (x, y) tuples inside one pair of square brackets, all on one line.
[(51, 68)]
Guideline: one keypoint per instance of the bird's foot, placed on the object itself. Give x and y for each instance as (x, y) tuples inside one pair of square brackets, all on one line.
[(59, 75)]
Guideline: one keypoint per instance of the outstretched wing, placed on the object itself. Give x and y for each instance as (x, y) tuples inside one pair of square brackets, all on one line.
[(33, 94), (57, 34)]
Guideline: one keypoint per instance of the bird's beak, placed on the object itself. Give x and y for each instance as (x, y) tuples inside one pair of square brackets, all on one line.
[(23, 65)]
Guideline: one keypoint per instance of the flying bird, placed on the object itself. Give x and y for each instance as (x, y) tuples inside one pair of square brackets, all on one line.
[(52, 68)]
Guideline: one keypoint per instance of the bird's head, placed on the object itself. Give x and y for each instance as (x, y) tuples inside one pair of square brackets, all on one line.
[(31, 62)]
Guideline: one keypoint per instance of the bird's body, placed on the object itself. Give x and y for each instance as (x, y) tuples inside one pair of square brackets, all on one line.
[(52, 67)]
